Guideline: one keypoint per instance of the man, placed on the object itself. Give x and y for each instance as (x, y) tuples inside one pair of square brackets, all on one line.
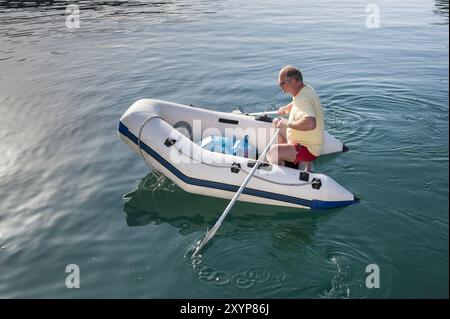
[(301, 136)]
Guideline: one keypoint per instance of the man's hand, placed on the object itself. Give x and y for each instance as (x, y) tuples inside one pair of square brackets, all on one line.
[(284, 110), (280, 122)]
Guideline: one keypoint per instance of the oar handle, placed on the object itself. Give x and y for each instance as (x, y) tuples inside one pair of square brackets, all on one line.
[(264, 113)]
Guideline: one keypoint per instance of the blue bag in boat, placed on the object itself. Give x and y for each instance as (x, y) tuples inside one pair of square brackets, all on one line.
[(227, 145)]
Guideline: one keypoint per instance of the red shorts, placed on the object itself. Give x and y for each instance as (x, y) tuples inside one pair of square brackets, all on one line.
[(303, 154)]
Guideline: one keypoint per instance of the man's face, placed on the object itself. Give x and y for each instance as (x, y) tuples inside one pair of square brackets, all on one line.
[(285, 83)]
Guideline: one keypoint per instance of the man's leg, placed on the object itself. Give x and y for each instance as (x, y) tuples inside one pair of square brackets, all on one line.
[(279, 153), (282, 139)]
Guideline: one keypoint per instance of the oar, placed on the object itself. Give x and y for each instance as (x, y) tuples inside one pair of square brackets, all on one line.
[(267, 113), (264, 113), (213, 230)]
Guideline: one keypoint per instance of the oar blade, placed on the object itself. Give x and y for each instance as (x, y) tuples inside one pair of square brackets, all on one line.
[(207, 238)]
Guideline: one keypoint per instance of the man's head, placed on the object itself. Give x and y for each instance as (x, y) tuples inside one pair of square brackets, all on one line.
[(290, 80)]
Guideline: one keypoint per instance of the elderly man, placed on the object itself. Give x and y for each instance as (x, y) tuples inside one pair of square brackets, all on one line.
[(301, 136)]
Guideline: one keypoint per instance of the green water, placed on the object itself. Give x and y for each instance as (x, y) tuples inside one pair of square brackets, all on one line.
[(72, 193)]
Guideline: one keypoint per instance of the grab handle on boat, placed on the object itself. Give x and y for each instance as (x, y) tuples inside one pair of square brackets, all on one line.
[(170, 141)]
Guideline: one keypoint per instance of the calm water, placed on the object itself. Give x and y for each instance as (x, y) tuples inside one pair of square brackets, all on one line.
[(72, 193)]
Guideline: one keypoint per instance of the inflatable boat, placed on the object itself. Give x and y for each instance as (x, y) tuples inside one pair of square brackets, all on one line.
[(168, 136)]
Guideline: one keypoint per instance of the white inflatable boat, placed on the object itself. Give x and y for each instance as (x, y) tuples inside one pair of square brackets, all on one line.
[(167, 136)]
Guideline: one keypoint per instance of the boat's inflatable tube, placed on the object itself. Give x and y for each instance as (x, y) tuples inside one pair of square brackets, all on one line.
[(163, 133)]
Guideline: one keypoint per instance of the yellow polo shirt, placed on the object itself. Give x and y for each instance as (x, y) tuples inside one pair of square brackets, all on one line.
[(307, 104)]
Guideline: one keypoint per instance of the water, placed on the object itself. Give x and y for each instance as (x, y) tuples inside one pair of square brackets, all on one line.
[(72, 193)]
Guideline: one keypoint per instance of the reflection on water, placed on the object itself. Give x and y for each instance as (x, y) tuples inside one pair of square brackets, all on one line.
[(28, 18), (158, 200), (442, 7), (269, 233), (83, 4), (113, 8)]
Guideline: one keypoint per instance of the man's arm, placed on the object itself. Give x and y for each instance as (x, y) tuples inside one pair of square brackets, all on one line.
[(304, 124), (308, 121)]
